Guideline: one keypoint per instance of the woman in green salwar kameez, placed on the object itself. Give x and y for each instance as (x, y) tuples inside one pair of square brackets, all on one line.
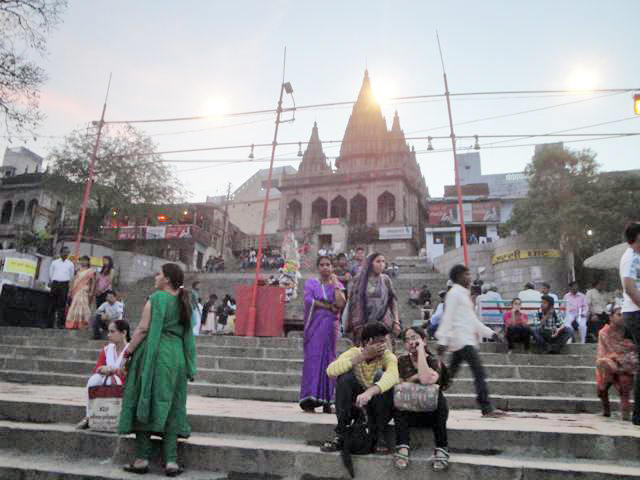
[(162, 358)]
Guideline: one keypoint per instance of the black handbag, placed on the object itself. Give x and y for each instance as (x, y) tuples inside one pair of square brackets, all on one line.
[(358, 439)]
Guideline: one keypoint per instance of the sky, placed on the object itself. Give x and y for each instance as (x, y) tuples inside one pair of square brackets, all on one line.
[(177, 59)]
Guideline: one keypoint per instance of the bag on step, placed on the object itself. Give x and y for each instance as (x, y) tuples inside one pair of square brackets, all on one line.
[(105, 405), (414, 397), (358, 439)]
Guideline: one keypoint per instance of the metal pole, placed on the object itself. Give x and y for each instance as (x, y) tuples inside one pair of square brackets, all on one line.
[(87, 186), (463, 228), (224, 220), (251, 323)]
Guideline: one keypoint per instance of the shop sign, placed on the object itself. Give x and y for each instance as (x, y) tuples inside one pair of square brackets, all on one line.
[(395, 233), (21, 266), (524, 254), (330, 221)]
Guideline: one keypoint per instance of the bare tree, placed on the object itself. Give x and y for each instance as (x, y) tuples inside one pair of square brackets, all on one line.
[(24, 27)]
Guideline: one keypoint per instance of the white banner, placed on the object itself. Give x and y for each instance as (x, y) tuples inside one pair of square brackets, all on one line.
[(395, 233), (155, 233)]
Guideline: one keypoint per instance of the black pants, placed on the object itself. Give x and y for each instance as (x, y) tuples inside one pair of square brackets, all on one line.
[(470, 355), (379, 409), (632, 325), (436, 420), (545, 338), (59, 292), (518, 333)]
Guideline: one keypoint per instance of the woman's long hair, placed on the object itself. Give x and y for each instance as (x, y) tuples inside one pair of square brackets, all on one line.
[(106, 270), (176, 278), (364, 281)]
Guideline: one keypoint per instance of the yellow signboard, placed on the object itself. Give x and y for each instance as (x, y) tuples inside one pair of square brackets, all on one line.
[(94, 261), (524, 254), (21, 266)]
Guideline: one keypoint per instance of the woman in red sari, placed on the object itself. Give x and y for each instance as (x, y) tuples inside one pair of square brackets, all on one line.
[(615, 363)]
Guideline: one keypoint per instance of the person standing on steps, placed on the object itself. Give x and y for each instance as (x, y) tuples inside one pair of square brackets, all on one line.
[(459, 332), (615, 362), (323, 302), (163, 357), (105, 280), (372, 300), (630, 277), (61, 272)]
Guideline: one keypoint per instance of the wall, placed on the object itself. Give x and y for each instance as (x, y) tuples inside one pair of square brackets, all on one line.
[(131, 266), (509, 276)]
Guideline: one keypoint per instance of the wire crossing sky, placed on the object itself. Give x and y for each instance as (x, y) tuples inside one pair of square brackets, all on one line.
[(200, 58)]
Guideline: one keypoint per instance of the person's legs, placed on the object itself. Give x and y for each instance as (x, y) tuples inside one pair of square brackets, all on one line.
[(604, 380), (436, 420), (624, 384), (347, 389), (143, 446), (509, 335), (582, 328), (381, 408), (170, 448), (632, 324), (456, 360), (401, 419), (471, 356)]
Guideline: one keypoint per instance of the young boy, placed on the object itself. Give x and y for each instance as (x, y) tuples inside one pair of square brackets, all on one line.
[(110, 310)]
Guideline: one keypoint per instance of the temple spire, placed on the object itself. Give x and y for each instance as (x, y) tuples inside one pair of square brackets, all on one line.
[(314, 160)]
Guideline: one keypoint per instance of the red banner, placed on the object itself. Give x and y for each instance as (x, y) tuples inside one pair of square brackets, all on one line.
[(177, 231), (130, 233), (442, 213)]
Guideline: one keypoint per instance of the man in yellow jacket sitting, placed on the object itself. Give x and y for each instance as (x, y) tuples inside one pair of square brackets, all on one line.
[(365, 376)]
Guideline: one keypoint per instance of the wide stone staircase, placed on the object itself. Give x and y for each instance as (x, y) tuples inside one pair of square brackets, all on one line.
[(247, 425)]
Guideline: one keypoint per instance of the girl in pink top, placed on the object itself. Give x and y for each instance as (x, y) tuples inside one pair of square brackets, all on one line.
[(516, 324)]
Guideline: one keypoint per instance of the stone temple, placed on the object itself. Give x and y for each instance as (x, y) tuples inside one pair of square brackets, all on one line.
[(376, 194)]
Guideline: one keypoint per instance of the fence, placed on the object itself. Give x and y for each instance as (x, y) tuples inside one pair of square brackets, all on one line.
[(491, 312)]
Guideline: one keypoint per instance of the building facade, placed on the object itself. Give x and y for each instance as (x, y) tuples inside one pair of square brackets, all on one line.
[(28, 206), (375, 195)]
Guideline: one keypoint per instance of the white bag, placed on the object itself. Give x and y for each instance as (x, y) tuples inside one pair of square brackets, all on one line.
[(105, 405)]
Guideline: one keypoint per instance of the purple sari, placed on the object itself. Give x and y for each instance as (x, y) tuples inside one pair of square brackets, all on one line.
[(320, 343)]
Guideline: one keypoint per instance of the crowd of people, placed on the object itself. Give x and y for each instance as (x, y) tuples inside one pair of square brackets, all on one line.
[(368, 382), (86, 297)]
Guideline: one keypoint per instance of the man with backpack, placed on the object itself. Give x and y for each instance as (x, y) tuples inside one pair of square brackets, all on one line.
[(365, 377)]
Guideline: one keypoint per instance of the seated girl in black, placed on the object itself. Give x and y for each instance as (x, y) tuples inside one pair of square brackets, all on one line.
[(419, 366)]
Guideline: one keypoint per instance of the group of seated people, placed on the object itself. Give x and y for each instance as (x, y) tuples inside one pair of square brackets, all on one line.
[(365, 380)]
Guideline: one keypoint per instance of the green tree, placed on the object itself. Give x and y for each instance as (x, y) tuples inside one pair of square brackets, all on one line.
[(127, 172), (571, 205), (555, 209), (24, 26)]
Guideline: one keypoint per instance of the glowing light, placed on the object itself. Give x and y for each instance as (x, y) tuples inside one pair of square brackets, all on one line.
[(636, 104), (383, 90), (215, 106), (162, 217), (583, 79)]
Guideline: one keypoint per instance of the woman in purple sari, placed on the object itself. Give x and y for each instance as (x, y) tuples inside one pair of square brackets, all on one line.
[(323, 301)]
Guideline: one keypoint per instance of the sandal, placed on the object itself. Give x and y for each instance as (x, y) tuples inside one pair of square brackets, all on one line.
[(131, 468), (440, 459), (173, 472), (401, 460), (334, 445)]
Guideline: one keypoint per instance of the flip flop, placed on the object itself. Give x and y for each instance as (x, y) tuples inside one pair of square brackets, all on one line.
[(131, 468)]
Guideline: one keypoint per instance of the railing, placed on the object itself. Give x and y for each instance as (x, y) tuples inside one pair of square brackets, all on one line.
[(491, 312)]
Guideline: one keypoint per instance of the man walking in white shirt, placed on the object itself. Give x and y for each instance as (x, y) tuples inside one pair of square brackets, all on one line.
[(630, 277), (459, 332), (61, 273)]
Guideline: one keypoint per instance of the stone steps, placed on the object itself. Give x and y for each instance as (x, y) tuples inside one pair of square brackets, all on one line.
[(83, 361), (288, 458), (537, 403), (582, 436)]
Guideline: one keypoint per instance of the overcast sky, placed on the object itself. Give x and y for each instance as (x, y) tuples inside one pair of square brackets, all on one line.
[(172, 59)]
